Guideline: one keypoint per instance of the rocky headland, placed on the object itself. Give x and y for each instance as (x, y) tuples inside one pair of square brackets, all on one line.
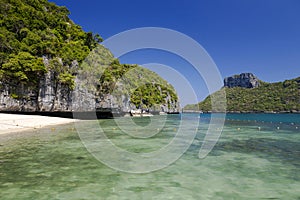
[(245, 93), (49, 64)]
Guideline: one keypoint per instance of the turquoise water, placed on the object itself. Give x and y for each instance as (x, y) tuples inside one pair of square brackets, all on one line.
[(256, 157)]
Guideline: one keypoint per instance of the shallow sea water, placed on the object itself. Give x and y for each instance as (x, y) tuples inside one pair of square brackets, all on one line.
[(248, 162)]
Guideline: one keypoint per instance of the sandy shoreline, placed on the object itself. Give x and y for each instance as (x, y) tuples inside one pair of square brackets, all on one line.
[(11, 123)]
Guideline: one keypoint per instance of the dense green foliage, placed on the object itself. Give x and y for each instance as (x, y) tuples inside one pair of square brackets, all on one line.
[(153, 95), (31, 29), (37, 36), (23, 67), (269, 97), (144, 87)]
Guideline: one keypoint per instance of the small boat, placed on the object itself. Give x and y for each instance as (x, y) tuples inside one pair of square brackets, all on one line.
[(140, 113), (162, 113)]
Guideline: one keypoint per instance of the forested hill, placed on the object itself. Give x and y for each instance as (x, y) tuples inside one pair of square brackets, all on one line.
[(41, 51), (264, 97)]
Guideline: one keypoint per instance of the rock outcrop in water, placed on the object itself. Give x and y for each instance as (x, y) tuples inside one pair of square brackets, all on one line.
[(245, 80)]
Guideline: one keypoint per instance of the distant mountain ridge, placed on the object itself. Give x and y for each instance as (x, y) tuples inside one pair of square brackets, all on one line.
[(246, 93)]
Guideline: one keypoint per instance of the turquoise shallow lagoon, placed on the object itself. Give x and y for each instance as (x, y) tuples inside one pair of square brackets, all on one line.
[(256, 157)]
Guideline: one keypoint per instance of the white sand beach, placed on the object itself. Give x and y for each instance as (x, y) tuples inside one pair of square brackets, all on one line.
[(16, 123)]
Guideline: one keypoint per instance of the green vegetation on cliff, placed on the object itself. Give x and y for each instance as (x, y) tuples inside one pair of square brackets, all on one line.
[(105, 75), (269, 97), (37, 37), (32, 29), (145, 88)]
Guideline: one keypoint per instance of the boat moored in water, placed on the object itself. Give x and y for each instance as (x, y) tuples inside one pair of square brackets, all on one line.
[(140, 113)]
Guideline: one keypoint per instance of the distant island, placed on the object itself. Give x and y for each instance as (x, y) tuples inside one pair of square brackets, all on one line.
[(246, 93)]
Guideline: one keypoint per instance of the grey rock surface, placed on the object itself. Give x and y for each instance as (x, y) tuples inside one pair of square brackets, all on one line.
[(245, 80), (53, 96)]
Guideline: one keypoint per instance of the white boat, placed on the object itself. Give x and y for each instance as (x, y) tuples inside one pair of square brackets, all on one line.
[(162, 113), (140, 113)]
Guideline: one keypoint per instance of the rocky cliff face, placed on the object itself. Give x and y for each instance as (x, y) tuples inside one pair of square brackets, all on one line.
[(244, 80), (66, 100), (50, 97), (39, 68), (53, 96)]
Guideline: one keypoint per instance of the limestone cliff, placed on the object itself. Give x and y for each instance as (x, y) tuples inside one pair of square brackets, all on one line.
[(100, 84), (244, 80), (53, 96), (44, 66)]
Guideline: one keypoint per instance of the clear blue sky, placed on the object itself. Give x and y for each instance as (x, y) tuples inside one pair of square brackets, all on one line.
[(258, 36)]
